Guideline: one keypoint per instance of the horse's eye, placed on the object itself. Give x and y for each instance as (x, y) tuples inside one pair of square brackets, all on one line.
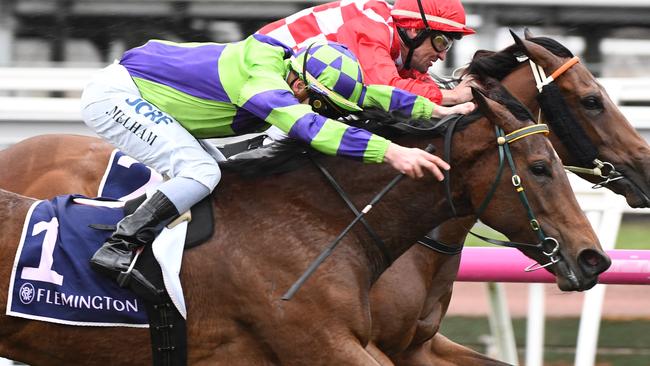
[(540, 169), (592, 103)]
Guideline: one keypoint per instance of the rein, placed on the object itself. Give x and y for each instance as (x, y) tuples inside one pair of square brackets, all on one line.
[(359, 217), (576, 135), (386, 256), (549, 246)]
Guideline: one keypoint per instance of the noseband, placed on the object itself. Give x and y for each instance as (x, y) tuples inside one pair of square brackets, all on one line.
[(575, 134)]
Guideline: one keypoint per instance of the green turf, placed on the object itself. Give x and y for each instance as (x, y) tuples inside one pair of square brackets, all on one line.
[(634, 233), (621, 343)]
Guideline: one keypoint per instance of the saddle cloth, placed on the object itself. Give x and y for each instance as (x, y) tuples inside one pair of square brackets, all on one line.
[(51, 279), (125, 178)]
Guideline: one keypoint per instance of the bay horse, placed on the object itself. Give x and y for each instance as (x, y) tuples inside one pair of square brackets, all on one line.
[(271, 227), (414, 339)]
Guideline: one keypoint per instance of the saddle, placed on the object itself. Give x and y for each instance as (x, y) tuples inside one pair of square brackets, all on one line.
[(200, 225), (167, 327)]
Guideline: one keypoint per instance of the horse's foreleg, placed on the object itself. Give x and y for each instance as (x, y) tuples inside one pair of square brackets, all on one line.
[(378, 355), (353, 354), (441, 351), (444, 352), (339, 351)]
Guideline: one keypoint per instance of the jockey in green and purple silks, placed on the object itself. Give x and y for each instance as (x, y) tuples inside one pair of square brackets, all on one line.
[(216, 90), (163, 97)]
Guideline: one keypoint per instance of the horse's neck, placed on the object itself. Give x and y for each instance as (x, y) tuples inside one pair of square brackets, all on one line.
[(399, 219), (417, 206), (468, 148), (467, 158)]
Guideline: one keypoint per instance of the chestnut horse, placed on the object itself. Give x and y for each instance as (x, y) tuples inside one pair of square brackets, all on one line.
[(270, 228), (413, 340), (406, 317)]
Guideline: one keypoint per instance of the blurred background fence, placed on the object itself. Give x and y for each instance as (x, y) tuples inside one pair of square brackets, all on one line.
[(49, 49)]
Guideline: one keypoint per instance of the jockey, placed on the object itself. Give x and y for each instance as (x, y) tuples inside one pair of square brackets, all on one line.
[(163, 97), (395, 45)]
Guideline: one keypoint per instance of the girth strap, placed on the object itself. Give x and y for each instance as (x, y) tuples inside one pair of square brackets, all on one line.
[(168, 332)]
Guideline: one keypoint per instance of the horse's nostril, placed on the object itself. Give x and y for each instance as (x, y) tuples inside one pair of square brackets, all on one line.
[(593, 261)]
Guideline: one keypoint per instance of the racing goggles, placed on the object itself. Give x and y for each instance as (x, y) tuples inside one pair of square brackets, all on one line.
[(441, 42)]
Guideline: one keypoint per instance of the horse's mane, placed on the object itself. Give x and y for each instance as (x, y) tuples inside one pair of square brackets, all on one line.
[(289, 154), (487, 66), (499, 64)]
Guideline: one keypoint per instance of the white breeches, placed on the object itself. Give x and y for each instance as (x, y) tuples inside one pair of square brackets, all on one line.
[(112, 106)]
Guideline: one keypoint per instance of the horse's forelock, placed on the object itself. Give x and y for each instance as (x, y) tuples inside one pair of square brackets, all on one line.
[(553, 46)]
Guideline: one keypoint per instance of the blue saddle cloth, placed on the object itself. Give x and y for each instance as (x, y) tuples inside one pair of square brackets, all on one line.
[(52, 279), (125, 178)]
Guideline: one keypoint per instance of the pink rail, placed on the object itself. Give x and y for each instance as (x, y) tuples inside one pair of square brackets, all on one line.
[(629, 267)]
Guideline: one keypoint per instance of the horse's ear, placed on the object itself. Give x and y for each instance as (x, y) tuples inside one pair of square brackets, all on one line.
[(515, 37), (479, 98), (494, 111), (538, 54), (527, 33), (486, 105)]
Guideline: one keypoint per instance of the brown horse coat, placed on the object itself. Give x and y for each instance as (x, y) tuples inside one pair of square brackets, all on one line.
[(617, 142), (271, 228)]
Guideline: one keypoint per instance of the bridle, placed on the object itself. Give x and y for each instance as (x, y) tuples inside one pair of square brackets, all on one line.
[(548, 246), (602, 169)]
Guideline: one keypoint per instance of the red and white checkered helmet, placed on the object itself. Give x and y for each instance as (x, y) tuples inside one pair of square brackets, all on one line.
[(441, 15)]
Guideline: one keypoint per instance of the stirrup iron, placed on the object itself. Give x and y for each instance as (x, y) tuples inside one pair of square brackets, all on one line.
[(124, 277)]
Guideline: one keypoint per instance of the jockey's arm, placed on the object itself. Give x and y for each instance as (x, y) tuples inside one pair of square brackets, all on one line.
[(267, 95), (370, 42), (279, 107), (393, 99)]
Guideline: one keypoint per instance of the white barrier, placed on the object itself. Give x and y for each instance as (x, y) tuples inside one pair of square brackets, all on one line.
[(44, 79), (604, 210)]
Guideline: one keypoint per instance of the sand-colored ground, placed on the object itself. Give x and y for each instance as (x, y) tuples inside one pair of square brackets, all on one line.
[(470, 299)]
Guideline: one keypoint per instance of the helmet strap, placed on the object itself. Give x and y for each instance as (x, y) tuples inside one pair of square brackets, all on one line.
[(412, 43), (415, 42), (318, 102)]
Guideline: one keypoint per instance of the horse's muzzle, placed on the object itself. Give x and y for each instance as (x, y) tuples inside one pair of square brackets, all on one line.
[(583, 276)]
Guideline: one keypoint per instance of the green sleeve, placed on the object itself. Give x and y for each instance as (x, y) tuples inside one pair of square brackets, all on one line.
[(392, 99), (267, 95)]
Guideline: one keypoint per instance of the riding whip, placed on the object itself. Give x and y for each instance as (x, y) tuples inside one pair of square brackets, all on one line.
[(330, 249)]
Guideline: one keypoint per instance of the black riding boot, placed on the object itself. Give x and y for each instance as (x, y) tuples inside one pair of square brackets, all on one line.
[(133, 231)]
